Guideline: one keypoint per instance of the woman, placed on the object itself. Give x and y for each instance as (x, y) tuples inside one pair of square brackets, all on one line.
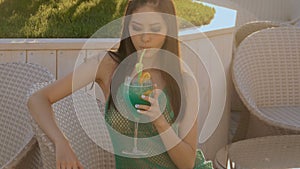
[(141, 30)]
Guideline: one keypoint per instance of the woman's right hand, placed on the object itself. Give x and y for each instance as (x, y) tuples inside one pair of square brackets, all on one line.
[(65, 156)]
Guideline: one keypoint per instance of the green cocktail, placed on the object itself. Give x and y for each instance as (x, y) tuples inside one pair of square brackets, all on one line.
[(134, 93)]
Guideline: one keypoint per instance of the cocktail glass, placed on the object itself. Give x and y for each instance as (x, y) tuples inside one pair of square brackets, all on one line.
[(134, 91)]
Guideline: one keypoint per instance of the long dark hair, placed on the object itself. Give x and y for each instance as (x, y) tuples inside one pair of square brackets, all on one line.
[(171, 45)]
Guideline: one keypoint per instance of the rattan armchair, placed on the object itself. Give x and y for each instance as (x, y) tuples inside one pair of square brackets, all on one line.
[(240, 33), (266, 75), (246, 29), (18, 147), (80, 119)]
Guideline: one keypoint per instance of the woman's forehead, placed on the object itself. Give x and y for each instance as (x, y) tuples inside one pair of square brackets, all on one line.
[(147, 18)]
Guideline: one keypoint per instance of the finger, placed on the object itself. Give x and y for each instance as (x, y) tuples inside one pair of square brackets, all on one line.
[(149, 99), (63, 165), (69, 166), (143, 107), (57, 165), (74, 165), (143, 112), (155, 91), (80, 166)]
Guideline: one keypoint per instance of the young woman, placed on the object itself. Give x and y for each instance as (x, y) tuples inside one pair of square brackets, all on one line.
[(151, 25)]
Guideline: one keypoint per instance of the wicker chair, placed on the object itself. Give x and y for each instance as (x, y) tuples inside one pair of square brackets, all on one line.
[(266, 75), (246, 29), (237, 106), (78, 118), (18, 147)]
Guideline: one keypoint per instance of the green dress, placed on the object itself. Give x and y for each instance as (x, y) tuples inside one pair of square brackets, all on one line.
[(125, 127)]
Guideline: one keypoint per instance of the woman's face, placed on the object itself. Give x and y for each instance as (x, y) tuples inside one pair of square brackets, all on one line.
[(147, 30)]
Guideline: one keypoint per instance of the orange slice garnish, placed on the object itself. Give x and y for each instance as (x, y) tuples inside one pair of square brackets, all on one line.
[(145, 76), (147, 93)]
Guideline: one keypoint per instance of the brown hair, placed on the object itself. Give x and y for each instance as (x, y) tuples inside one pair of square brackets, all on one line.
[(171, 44)]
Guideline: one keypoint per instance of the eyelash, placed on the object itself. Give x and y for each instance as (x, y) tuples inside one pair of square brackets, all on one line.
[(155, 29), (135, 28)]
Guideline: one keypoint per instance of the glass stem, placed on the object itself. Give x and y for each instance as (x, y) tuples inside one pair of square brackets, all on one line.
[(136, 127)]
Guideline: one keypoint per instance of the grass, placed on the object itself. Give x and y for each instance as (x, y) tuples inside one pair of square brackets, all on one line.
[(77, 18)]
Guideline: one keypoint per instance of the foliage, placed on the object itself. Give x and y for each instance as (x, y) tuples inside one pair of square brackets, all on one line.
[(196, 13), (76, 18)]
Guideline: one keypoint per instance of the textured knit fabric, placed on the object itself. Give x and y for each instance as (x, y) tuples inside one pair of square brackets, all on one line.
[(124, 126)]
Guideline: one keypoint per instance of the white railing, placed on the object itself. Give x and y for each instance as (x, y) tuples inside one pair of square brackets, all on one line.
[(59, 55)]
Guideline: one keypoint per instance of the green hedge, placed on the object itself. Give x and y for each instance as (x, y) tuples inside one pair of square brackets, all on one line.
[(77, 18)]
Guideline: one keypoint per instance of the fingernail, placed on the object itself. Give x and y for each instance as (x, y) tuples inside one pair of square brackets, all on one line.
[(143, 96), (136, 106), (138, 111)]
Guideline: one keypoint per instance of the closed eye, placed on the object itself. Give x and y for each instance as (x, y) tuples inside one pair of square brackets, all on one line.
[(156, 29), (136, 28)]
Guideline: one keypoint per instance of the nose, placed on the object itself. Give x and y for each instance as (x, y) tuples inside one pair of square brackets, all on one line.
[(146, 37)]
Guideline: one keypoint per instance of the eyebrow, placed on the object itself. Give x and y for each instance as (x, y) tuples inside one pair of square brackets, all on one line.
[(150, 24)]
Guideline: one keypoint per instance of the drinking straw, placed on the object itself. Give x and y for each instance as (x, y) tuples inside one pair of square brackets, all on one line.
[(139, 65)]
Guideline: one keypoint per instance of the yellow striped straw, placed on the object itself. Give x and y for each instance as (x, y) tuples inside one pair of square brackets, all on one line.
[(139, 65)]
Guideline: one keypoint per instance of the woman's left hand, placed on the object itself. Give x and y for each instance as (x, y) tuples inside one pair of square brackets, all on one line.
[(153, 111)]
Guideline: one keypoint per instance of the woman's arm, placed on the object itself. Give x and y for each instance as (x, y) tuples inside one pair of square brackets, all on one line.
[(183, 154), (40, 102)]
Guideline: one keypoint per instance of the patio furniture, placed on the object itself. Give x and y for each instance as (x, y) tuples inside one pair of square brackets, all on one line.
[(221, 158), (80, 119), (18, 147), (276, 152), (240, 33), (248, 28), (237, 106), (295, 22), (266, 75)]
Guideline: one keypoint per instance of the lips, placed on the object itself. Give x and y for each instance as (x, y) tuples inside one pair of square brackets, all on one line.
[(145, 47)]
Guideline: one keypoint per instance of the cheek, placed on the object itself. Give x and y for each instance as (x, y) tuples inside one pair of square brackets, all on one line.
[(135, 40), (160, 39)]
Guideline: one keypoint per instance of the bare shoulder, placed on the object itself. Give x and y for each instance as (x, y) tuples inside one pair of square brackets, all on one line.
[(94, 68)]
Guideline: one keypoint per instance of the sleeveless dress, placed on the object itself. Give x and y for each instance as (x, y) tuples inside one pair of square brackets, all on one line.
[(125, 127)]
